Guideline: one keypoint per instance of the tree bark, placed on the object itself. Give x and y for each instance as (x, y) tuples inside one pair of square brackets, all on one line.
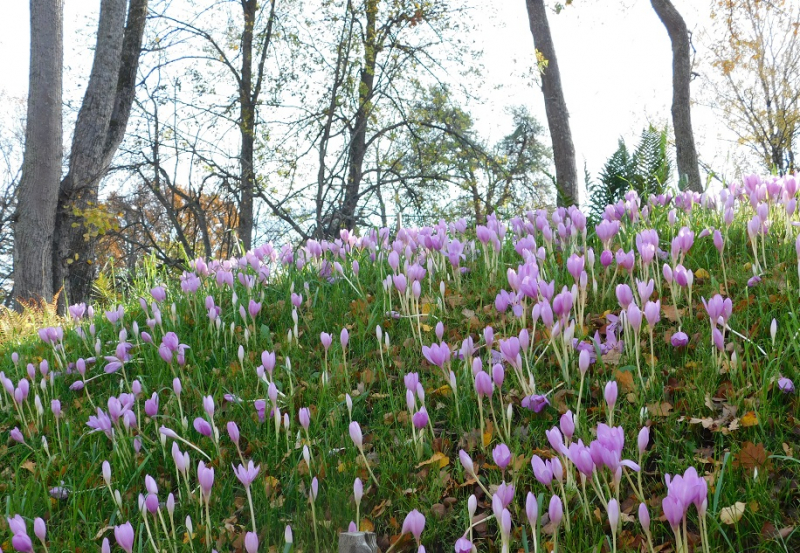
[(247, 127), (555, 106), (358, 135), (249, 93), (99, 130), (688, 169), (38, 189)]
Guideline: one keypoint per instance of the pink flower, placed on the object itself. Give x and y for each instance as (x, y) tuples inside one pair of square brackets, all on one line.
[(555, 510), (355, 435), (124, 536), (246, 475), (785, 385), (205, 477), (202, 426), (502, 456), (414, 523)]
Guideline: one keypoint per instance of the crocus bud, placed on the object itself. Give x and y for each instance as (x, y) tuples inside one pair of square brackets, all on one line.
[(472, 506), (643, 439), (40, 529), (358, 490), (355, 435), (613, 514), (556, 510), (107, 473), (17, 436), (532, 510), (584, 360), (466, 462), (567, 424), (233, 432), (644, 518), (305, 417), (287, 534), (251, 542), (610, 394)]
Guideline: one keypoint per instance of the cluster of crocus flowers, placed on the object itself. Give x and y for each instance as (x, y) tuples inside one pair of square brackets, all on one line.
[(719, 311), (683, 492)]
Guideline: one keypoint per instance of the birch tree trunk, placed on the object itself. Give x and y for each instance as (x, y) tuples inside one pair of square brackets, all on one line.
[(688, 170), (38, 189), (555, 106), (99, 130)]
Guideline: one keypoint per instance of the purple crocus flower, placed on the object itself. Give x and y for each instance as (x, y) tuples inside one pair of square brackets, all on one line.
[(785, 385), (420, 418), (437, 354), (246, 475), (502, 456), (414, 523), (679, 340), (205, 477), (203, 427), (124, 536), (535, 403)]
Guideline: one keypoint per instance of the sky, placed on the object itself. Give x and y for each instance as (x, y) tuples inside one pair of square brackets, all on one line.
[(615, 59)]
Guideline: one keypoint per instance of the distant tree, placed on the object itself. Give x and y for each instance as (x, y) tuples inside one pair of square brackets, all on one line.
[(686, 152), (41, 169), (757, 59), (647, 170), (99, 130), (555, 105), (12, 146), (443, 168)]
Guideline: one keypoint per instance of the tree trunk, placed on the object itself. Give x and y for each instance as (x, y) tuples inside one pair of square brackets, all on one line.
[(41, 172), (99, 130), (555, 106), (247, 127), (358, 136), (688, 170)]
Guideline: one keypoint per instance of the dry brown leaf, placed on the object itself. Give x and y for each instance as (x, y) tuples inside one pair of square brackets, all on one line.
[(366, 525), (671, 312), (751, 456), (625, 380), (659, 409)]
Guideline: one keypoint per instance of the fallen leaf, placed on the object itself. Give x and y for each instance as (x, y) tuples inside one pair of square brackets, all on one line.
[(612, 357), (672, 313), (625, 380), (438, 457), (661, 409), (751, 456), (749, 419), (732, 514), (29, 466), (701, 273), (381, 507), (366, 525)]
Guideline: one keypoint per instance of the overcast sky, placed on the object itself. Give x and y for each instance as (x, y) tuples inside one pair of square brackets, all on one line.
[(615, 59)]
